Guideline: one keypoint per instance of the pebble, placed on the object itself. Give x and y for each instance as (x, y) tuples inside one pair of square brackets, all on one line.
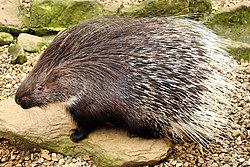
[(174, 163), (85, 158), (59, 156), (178, 164), (236, 133), (4, 159), (200, 160), (61, 162), (241, 160), (54, 157), (214, 164), (45, 155), (186, 164)]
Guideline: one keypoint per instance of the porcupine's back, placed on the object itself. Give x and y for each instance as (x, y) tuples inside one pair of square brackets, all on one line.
[(168, 73)]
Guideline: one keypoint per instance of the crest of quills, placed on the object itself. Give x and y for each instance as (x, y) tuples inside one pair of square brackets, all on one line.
[(235, 151)]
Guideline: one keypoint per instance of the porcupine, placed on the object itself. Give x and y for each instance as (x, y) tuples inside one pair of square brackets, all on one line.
[(154, 77)]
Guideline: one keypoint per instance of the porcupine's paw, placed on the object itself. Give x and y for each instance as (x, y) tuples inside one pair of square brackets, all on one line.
[(78, 135)]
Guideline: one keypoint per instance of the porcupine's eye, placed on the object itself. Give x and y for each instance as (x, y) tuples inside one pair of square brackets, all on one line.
[(39, 88)]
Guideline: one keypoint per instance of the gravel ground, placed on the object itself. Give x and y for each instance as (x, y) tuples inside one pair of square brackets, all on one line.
[(235, 152)]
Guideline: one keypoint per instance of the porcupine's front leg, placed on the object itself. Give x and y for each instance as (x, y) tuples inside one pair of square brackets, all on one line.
[(80, 133), (84, 126)]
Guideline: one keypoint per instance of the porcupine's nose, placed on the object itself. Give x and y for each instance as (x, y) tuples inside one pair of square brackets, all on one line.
[(22, 101), (17, 100)]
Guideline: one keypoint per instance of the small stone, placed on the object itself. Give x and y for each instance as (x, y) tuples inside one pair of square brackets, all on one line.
[(209, 163), (59, 156), (86, 158), (5, 38), (236, 132), (241, 160), (17, 54), (226, 165), (26, 158), (31, 43), (214, 164), (45, 155), (40, 160), (8, 86), (186, 164), (178, 164), (8, 76), (54, 157), (174, 162), (201, 160), (4, 159), (61, 162)]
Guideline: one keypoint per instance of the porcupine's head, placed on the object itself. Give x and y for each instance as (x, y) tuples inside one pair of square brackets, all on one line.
[(40, 89), (50, 80), (43, 86)]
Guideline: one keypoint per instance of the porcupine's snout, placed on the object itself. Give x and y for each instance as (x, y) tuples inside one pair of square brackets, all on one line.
[(23, 101)]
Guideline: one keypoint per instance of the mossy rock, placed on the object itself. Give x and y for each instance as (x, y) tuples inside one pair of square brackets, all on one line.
[(5, 38), (21, 59), (200, 7), (17, 53), (31, 43), (240, 53), (76, 12), (151, 8), (234, 25), (13, 30), (48, 15)]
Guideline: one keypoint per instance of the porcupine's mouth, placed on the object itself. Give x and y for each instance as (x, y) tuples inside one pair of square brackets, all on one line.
[(25, 105), (23, 102)]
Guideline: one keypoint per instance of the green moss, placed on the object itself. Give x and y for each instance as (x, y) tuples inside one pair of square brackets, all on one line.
[(45, 31), (48, 16), (17, 54), (6, 38), (19, 141), (21, 59), (240, 53), (44, 11), (150, 8), (237, 17), (13, 30), (77, 12), (200, 6), (234, 25)]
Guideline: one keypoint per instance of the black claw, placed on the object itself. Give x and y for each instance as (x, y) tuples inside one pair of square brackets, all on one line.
[(78, 135)]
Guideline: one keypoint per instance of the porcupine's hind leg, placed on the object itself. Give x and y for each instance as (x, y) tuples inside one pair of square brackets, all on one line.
[(142, 132)]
